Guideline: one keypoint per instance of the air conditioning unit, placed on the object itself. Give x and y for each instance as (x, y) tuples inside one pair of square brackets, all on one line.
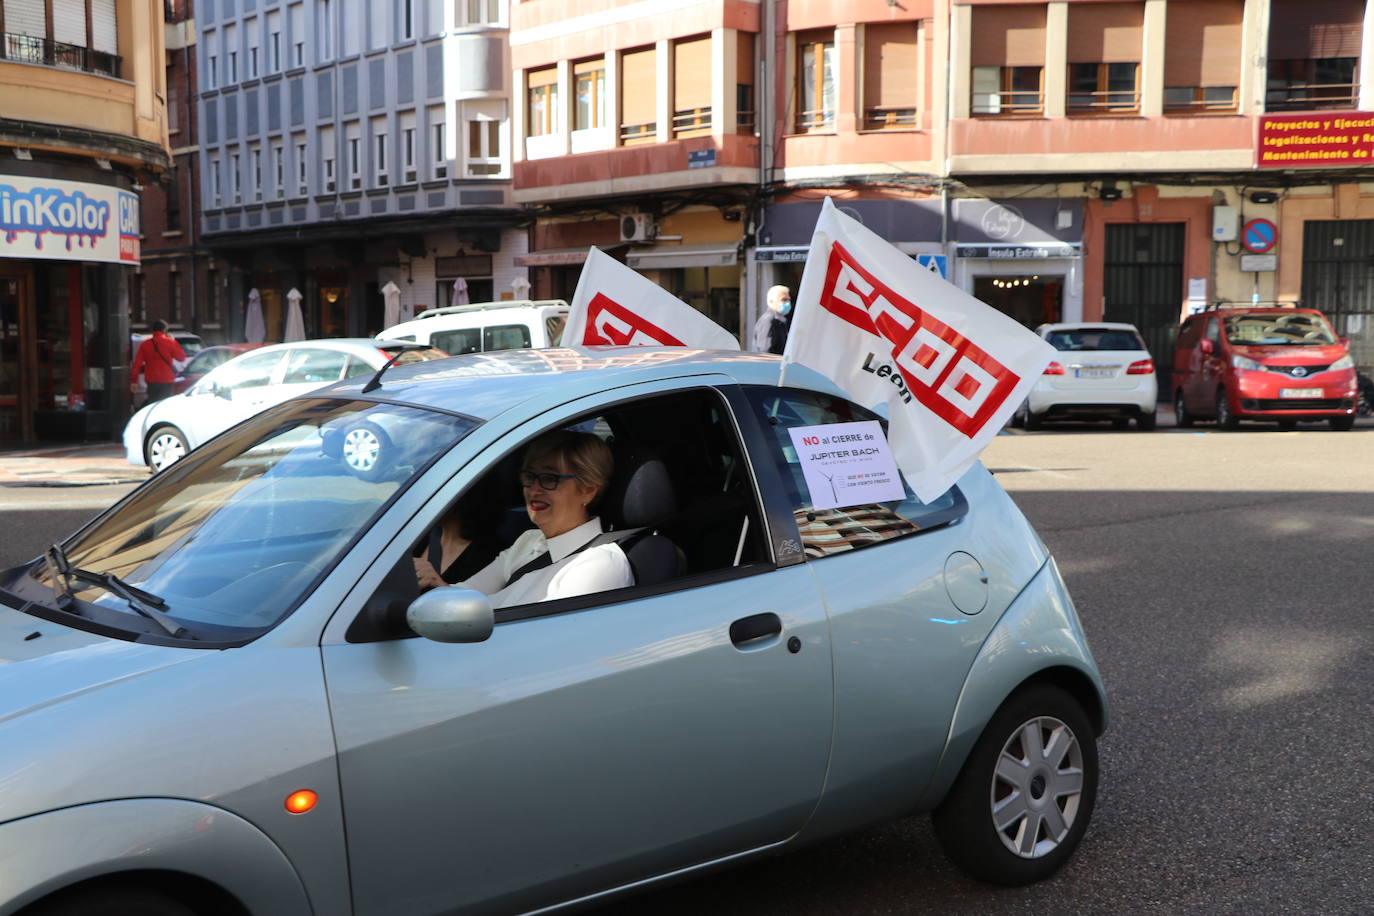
[(638, 227)]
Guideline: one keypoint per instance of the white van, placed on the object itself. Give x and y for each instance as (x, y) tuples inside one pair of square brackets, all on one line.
[(482, 326)]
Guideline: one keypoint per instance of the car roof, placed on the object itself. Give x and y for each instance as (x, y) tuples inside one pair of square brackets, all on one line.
[(483, 385), (450, 321), (1083, 325)]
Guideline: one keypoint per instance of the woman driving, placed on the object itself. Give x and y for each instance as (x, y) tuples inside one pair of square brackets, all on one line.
[(563, 476)]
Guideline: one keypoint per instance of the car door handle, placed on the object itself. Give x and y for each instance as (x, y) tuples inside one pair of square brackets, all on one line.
[(749, 632)]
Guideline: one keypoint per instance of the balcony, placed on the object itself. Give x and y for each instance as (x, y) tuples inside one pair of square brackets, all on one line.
[(30, 49), (890, 119)]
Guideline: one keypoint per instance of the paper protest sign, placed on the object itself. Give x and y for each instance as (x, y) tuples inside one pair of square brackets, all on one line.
[(949, 369), (847, 464), (615, 306)]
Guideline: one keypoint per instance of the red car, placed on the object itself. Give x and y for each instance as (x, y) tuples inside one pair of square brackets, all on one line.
[(1283, 364), (207, 359)]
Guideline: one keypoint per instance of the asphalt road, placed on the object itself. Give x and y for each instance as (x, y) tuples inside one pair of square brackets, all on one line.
[(1226, 582)]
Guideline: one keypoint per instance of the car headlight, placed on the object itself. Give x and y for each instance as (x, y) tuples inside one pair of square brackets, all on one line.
[(1245, 362), (1345, 362)]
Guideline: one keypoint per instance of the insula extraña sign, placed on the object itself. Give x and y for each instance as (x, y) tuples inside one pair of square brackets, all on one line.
[(67, 221)]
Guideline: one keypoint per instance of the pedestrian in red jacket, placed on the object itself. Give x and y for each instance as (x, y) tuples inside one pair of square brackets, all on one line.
[(156, 359)]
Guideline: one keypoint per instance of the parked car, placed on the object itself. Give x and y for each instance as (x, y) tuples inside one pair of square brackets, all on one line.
[(212, 694), (1278, 363), (486, 326), (208, 359), (1105, 373), (161, 433)]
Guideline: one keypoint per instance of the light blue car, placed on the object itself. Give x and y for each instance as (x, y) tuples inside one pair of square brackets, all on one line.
[(227, 693)]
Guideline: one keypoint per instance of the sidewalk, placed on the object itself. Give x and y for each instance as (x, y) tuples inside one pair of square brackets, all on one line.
[(69, 466)]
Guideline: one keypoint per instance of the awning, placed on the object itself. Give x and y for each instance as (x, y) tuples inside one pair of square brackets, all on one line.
[(560, 257), (661, 257)]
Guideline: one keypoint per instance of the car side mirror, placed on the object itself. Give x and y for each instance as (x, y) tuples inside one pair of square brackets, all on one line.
[(220, 391), (1207, 347), (452, 614)]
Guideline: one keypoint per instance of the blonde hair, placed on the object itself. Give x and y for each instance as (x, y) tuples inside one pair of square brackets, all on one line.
[(583, 454)]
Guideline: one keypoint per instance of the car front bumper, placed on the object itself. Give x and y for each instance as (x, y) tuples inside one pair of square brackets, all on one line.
[(1273, 395)]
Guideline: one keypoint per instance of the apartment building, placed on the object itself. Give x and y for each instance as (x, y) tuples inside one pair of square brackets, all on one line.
[(1073, 159), (82, 132), (179, 280), (353, 147), (638, 127)]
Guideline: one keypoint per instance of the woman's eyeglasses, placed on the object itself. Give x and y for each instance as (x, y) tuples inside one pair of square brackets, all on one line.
[(546, 481)]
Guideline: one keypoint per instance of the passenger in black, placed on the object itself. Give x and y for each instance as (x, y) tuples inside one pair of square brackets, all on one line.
[(461, 545)]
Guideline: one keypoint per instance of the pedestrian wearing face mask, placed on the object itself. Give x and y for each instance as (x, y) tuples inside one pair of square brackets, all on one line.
[(770, 331)]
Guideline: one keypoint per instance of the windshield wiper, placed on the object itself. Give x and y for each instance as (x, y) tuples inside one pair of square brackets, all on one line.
[(145, 603)]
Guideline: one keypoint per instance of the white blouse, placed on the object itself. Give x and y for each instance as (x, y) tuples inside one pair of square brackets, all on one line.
[(596, 569)]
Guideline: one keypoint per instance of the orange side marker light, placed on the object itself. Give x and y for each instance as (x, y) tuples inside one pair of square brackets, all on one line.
[(301, 801)]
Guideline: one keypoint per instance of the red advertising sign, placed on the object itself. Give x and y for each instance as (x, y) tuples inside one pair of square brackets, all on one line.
[(1295, 141)]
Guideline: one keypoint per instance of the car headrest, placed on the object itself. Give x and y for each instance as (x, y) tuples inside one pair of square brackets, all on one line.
[(640, 492)]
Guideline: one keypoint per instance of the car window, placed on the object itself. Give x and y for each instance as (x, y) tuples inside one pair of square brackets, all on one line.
[(506, 337), (413, 354), (1271, 329), (458, 341), (314, 365), (206, 360), (248, 371), (357, 366), (553, 329), (1213, 333), (706, 515), (829, 531), (1095, 339), (238, 532)]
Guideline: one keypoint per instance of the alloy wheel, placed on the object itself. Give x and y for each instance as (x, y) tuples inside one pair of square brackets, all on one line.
[(166, 449), (1037, 786)]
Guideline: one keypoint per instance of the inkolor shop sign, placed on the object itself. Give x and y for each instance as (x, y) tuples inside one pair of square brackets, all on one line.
[(67, 221)]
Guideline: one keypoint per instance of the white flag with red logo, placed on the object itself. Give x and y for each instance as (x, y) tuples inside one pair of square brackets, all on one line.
[(950, 369), (614, 306)]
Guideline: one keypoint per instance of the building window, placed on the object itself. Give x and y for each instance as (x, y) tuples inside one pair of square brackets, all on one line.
[(274, 41), (407, 19), (815, 81), (233, 67), (1202, 56), (1304, 85), (890, 76), (355, 163), (1008, 90), (483, 12), (1104, 88), (408, 146), (278, 170), (692, 80), (173, 108), (484, 148), (638, 96), (255, 176), (745, 113), (328, 152), (211, 71), (297, 20), (251, 28), (438, 148), (216, 195), (543, 102), (174, 298), (589, 94), (1105, 42), (302, 184), (324, 19), (173, 214), (236, 177), (379, 152)]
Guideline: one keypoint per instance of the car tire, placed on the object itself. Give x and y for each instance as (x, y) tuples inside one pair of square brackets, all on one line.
[(1145, 422), (1225, 419), (1033, 420), (1018, 417), (1342, 424), (1288, 425), (164, 447), (367, 451), (106, 901), (1121, 422), (1041, 795), (1182, 418)]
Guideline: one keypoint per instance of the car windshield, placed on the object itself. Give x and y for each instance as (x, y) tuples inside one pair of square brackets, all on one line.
[(1095, 339), (1298, 329), (235, 535)]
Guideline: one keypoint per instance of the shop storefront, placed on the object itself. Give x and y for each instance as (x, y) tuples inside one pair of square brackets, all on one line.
[(66, 247), (1023, 258)]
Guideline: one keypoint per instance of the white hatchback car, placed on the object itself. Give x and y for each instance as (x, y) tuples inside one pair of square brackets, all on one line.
[(481, 327), (161, 433), (1105, 373)]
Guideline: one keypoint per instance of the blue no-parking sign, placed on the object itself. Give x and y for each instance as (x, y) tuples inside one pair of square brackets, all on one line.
[(1259, 235)]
